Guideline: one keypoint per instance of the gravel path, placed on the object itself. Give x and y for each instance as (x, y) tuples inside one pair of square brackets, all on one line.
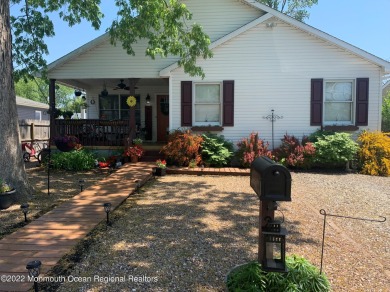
[(184, 233)]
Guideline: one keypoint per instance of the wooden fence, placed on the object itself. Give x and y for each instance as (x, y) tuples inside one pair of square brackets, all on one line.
[(34, 130)]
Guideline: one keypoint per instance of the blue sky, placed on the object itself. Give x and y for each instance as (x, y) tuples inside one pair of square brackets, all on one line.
[(362, 23)]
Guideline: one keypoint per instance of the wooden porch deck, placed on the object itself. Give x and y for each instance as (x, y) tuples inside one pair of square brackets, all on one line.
[(54, 234)]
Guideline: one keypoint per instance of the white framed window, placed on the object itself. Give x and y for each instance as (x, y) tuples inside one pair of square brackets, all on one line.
[(207, 108), (38, 115), (115, 107), (339, 97)]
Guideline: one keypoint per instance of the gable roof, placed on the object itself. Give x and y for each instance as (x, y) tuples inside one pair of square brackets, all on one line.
[(270, 12), (300, 25), (30, 103), (79, 51)]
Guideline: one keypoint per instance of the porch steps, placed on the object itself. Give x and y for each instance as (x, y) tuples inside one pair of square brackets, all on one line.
[(152, 155), (152, 152)]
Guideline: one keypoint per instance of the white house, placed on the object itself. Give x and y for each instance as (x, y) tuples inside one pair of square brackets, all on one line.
[(30, 109), (263, 60)]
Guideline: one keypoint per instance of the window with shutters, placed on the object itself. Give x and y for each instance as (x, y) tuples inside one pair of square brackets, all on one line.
[(207, 104), (339, 96)]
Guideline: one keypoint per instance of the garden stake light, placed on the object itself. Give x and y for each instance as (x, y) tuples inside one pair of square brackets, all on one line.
[(24, 208), (34, 268), (107, 209), (274, 248), (48, 162), (81, 184)]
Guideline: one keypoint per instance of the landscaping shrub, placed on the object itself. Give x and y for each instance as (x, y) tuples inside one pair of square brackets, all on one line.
[(182, 147), (301, 276), (374, 153), (76, 160), (313, 137), (292, 153), (334, 150), (250, 148), (216, 151), (386, 113)]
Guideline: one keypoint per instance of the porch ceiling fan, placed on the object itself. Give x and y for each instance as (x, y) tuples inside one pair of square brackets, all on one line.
[(122, 86)]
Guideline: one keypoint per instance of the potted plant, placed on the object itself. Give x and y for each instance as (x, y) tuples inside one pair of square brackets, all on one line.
[(67, 115), (7, 193), (161, 168), (66, 143), (134, 152), (137, 141)]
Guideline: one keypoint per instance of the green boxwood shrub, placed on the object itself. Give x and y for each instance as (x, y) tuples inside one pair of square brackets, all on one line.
[(216, 151), (333, 149), (301, 276), (75, 160)]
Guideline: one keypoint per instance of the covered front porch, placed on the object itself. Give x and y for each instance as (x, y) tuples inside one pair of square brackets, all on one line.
[(109, 119)]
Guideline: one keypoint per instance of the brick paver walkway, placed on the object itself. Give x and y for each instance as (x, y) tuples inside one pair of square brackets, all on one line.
[(54, 234)]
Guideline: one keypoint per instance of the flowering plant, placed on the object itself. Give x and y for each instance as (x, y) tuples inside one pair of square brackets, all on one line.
[(161, 163), (70, 141), (4, 187), (134, 151), (131, 101)]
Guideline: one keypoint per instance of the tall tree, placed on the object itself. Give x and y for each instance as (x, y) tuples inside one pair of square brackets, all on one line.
[(293, 8), (166, 24), (386, 113), (37, 89), (11, 162)]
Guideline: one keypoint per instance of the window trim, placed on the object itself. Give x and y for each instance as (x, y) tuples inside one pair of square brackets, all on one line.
[(352, 102), (38, 115), (120, 110), (194, 103)]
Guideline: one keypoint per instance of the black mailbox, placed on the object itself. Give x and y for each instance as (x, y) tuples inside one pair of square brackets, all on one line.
[(270, 181)]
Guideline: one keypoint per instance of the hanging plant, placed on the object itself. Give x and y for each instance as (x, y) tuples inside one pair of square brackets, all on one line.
[(131, 101)]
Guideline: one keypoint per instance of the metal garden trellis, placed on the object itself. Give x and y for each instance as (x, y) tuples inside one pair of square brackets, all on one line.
[(272, 117)]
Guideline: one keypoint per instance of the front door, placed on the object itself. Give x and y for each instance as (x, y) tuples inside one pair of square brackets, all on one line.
[(162, 117)]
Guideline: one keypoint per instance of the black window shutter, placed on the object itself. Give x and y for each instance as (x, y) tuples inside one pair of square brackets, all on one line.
[(316, 102), (362, 101), (228, 103), (186, 103)]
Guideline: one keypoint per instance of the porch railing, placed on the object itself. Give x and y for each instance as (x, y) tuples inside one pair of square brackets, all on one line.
[(94, 132)]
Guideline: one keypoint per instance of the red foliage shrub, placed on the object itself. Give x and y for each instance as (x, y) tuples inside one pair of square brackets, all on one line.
[(292, 153), (250, 148), (183, 146)]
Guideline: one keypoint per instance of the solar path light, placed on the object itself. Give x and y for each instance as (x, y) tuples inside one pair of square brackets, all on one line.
[(24, 208), (34, 268), (107, 209)]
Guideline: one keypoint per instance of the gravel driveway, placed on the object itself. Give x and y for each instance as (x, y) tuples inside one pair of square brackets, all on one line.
[(184, 233)]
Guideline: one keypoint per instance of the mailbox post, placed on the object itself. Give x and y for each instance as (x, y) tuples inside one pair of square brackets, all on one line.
[(272, 183)]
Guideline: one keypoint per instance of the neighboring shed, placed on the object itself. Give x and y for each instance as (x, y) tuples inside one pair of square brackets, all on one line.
[(30, 109)]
